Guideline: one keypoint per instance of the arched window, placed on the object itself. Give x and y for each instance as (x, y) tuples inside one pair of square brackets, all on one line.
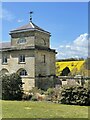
[(23, 73), (4, 71)]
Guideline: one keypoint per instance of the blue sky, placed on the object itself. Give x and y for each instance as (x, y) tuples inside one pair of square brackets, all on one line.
[(67, 22)]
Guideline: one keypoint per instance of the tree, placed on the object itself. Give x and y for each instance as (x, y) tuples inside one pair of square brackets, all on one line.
[(12, 87), (74, 72), (57, 69), (85, 68)]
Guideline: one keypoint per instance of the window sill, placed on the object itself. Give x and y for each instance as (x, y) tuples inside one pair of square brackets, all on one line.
[(21, 62), (4, 63), (23, 76)]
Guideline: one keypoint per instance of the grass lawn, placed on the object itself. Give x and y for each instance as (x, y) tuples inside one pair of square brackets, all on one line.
[(29, 109)]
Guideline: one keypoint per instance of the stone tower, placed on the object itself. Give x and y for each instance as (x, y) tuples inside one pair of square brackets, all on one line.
[(29, 54)]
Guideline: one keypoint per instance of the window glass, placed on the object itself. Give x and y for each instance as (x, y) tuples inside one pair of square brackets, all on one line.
[(22, 58), (21, 40), (23, 73), (4, 59)]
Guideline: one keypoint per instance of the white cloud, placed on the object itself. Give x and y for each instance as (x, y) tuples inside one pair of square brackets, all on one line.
[(78, 48), (81, 40), (67, 46), (61, 46), (20, 20), (6, 15)]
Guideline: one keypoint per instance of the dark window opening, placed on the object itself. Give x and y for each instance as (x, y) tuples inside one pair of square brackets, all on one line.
[(44, 59), (44, 42), (22, 58), (4, 59), (65, 72), (23, 73)]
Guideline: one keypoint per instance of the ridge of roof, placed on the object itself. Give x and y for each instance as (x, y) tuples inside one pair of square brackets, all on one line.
[(29, 26)]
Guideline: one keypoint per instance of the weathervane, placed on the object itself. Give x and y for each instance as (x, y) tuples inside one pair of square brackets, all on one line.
[(31, 12)]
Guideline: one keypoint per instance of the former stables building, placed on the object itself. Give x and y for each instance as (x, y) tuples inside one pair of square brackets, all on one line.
[(28, 54)]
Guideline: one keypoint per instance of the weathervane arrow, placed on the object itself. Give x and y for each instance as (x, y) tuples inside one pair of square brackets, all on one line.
[(31, 12)]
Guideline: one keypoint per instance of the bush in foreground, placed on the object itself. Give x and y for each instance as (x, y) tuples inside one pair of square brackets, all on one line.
[(12, 87), (75, 95)]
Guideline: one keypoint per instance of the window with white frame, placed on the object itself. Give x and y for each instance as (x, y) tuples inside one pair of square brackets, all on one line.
[(21, 58)]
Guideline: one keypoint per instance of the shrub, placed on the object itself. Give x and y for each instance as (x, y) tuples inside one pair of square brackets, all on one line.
[(75, 95), (53, 94), (12, 87), (34, 98), (27, 96), (35, 90), (50, 91)]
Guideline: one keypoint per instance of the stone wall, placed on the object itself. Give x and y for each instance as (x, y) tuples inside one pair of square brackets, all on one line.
[(42, 39), (28, 83), (29, 36), (32, 39), (46, 68), (13, 64)]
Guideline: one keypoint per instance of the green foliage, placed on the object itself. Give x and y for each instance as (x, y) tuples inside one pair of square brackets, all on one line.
[(35, 90), (50, 91), (85, 68), (27, 96), (12, 87), (53, 94), (75, 95), (34, 98)]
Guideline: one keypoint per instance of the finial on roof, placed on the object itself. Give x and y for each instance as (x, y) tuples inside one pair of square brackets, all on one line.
[(31, 12)]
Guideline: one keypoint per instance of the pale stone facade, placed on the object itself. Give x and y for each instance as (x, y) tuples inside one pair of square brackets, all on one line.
[(28, 54)]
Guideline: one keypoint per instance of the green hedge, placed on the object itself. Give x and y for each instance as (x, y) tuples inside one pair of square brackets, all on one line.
[(76, 95)]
